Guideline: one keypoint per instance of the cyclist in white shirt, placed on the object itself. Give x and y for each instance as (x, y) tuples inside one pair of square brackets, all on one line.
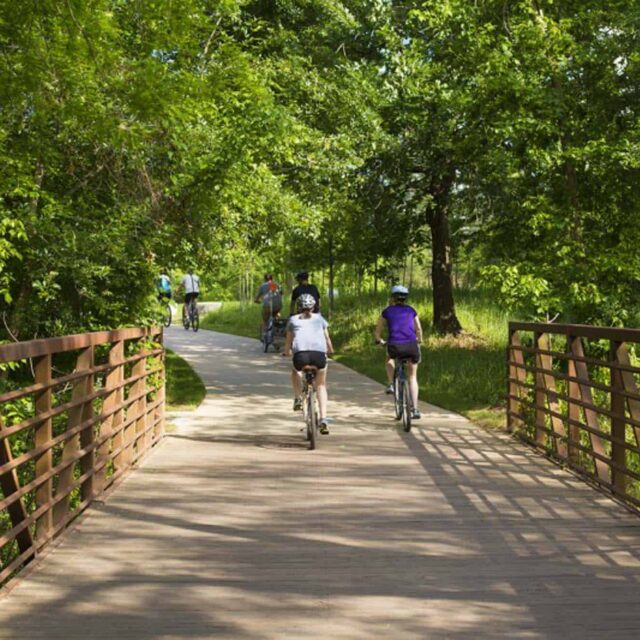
[(191, 285), (308, 339)]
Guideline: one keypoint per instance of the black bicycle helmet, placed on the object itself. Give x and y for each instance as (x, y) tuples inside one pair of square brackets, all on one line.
[(302, 275)]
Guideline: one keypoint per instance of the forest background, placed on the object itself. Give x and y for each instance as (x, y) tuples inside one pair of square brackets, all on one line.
[(489, 145)]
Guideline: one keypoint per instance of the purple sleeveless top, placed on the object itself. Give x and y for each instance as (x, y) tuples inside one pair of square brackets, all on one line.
[(399, 319)]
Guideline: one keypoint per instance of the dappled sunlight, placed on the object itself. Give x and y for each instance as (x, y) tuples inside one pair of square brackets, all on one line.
[(233, 529)]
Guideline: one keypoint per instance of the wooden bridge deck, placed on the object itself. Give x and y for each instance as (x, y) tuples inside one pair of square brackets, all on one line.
[(233, 530)]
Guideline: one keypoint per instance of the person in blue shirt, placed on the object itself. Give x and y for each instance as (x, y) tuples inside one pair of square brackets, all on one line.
[(163, 287), (404, 336)]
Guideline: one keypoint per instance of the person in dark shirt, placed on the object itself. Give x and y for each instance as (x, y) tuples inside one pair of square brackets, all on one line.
[(304, 287)]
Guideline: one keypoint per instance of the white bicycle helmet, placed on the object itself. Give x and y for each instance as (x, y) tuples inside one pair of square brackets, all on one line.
[(399, 291), (306, 301)]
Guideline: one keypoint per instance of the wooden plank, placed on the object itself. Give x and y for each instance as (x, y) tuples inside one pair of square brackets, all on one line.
[(140, 387), (593, 361), (9, 484), (132, 415), (87, 436), (591, 417), (35, 388), (618, 427), (162, 392), (515, 373), (111, 401), (81, 389), (35, 348), (43, 435), (159, 412), (630, 385), (551, 396), (540, 438), (580, 330)]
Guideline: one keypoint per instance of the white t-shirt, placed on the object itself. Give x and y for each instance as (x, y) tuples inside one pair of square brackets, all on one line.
[(191, 283), (308, 333)]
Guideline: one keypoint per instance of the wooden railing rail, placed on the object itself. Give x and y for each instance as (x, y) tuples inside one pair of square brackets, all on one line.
[(92, 409), (574, 392)]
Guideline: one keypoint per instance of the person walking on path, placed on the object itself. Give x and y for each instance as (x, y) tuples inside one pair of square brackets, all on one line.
[(270, 294), (304, 287), (308, 339), (404, 336)]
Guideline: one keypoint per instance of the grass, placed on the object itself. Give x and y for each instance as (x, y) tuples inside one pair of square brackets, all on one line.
[(466, 374), (184, 388), (236, 318)]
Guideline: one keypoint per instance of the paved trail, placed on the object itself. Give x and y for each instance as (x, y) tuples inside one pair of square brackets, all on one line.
[(232, 529)]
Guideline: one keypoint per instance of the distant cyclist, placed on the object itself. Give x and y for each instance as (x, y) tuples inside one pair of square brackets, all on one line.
[(304, 287), (404, 337), (308, 339), (190, 283), (163, 287), (270, 294)]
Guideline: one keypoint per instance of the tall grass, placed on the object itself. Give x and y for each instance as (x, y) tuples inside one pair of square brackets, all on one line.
[(466, 374)]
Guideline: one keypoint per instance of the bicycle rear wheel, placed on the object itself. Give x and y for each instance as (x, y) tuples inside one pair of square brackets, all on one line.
[(406, 407), (267, 337), (397, 396), (195, 318), (312, 418), (167, 316)]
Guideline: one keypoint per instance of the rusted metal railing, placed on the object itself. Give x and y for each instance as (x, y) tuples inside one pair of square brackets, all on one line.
[(76, 412), (573, 391)]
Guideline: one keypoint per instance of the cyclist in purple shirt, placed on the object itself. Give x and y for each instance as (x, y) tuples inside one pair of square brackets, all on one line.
[(404, 337)]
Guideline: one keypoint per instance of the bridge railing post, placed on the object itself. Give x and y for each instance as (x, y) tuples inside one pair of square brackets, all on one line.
[(43, 435), (618, 426), (516, 375), (540, 342), (573, 408)]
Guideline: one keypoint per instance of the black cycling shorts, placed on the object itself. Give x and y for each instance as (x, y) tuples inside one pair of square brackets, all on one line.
[(190, 296), (410, 350), (315, 358)]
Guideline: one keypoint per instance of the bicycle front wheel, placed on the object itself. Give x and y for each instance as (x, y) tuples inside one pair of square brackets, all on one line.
[(167, 316), (406, 407)]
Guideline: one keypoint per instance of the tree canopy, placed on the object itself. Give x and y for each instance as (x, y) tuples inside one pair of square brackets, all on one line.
[(138, 137)]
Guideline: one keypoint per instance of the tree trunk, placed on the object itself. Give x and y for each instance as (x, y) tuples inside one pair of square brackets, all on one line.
[(444, 312), (331, 276)]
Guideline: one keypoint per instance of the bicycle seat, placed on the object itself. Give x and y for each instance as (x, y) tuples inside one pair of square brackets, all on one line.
[(310, 368), (404, 359)]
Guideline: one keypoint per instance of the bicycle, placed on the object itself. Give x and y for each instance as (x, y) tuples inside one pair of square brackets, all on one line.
[(191, 315), (310, 411), (267, 335), (167, 314), (402, 403), (268, 331)]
